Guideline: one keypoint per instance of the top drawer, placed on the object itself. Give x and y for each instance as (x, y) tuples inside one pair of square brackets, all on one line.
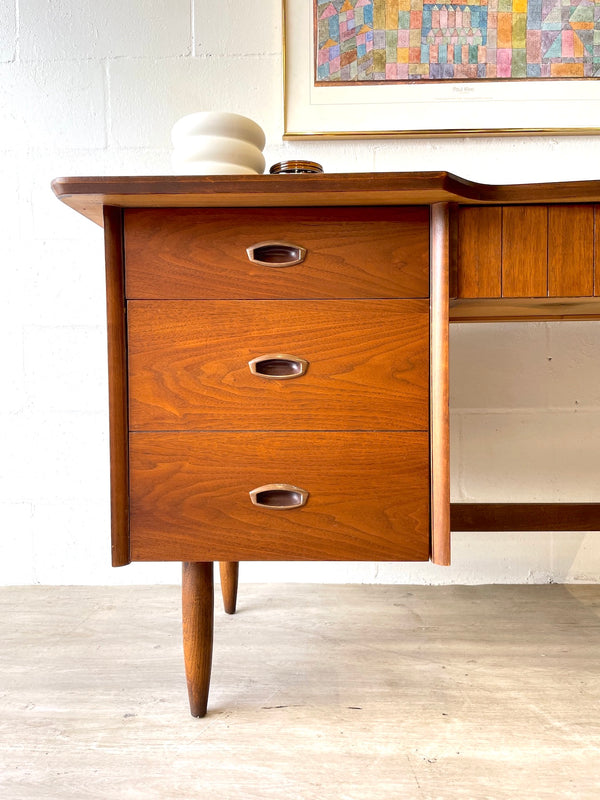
[(349, 252)]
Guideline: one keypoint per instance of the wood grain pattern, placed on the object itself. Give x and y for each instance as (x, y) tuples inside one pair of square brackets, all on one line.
[(197, 605), (439, 414), (597, 251), (229, 571), (479, 252), (368, 364), (525, 516), (87, 195), (571, 251), (518, 308), (525, 251), (369, 496), (201, 253), (117, 386), (453, 254)]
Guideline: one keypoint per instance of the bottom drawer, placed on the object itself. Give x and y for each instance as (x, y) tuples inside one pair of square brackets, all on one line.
[(368, 496)]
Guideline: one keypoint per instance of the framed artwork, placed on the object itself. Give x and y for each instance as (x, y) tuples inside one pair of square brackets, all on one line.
[(418, 68)]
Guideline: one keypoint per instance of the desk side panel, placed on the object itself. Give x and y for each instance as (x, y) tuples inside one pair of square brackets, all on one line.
[(117, 384), (439, 413), (597, 251)]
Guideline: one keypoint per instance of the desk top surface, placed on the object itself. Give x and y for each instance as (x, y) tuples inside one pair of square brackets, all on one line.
[(88, 195)]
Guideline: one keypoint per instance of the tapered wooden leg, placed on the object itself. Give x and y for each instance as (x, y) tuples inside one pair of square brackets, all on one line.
[(197, 598), (230, 571)]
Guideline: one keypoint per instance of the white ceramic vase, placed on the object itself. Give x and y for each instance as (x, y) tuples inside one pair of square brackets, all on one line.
[(217, 143)]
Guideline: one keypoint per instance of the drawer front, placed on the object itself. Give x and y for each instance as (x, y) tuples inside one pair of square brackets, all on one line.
[(367, 365), (368, 496), (350, 252)]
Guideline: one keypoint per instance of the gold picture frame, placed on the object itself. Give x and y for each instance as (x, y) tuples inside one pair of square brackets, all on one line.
[(426, 109)]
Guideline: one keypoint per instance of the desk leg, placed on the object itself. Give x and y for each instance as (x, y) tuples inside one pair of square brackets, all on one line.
[(197, 597), (229, 584)]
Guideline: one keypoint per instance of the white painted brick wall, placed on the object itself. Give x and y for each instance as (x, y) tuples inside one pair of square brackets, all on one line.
[(8, 26), (148, 96), (91, 88)]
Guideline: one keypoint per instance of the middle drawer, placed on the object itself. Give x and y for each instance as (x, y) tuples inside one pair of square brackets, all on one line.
[(367, 365)]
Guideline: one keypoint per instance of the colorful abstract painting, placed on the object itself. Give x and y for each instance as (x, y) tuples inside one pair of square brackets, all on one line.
[(366, 41)]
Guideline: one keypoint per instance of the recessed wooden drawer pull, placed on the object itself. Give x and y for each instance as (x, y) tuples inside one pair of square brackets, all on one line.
[(278, 366), (279, 496), (276, 254)]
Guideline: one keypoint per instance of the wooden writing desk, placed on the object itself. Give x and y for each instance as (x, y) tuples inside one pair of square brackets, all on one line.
[(278, 362)]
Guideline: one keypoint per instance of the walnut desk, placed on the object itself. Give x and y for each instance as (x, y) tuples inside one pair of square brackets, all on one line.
[(278, 361)]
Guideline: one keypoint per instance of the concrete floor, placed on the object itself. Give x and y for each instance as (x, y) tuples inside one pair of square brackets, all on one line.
[(345, 692)]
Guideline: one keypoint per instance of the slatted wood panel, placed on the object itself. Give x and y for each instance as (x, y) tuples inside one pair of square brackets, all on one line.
[(524, 251), (480, 252), (538, 251), (571, 251)]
